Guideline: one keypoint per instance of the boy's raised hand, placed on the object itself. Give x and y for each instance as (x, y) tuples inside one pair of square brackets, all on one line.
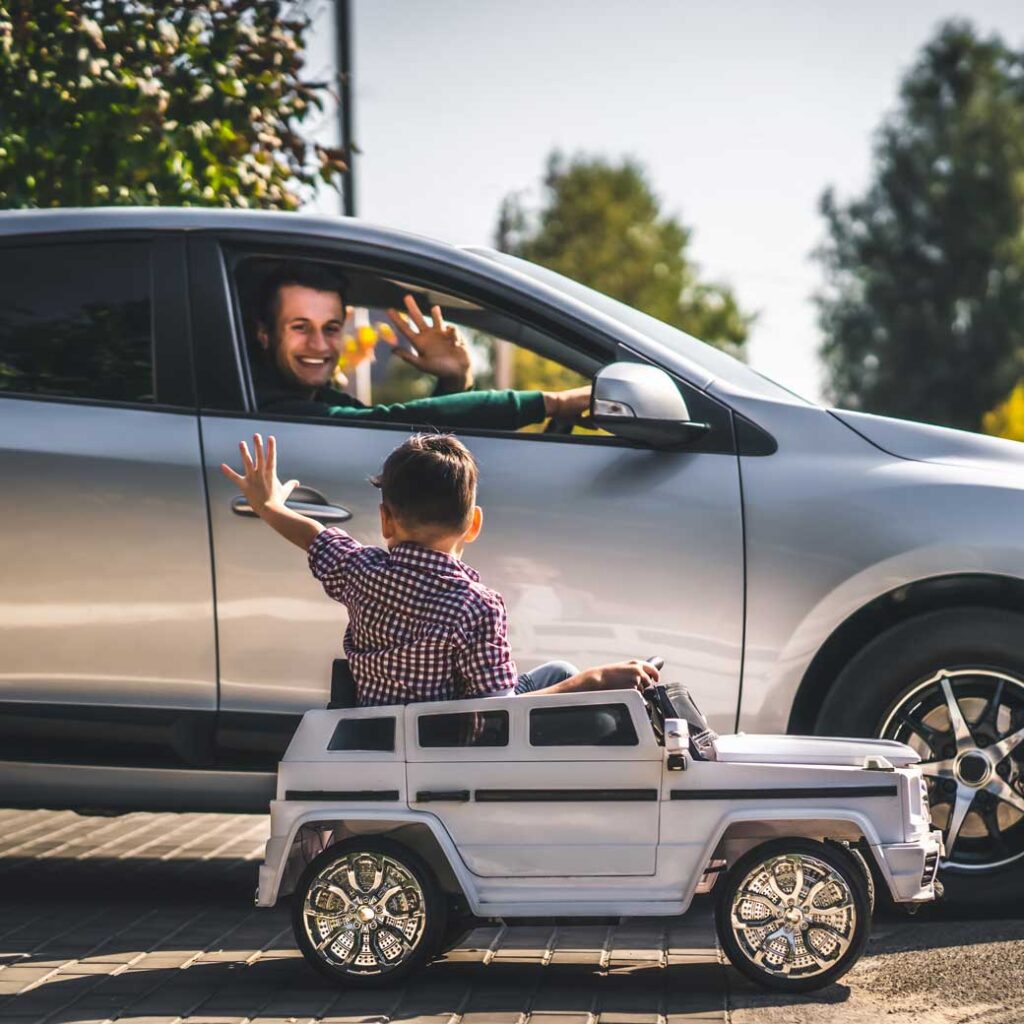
[(259, 482)]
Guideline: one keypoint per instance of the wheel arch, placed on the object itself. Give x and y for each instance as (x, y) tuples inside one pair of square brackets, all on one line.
[(314, 833), (881, 614)]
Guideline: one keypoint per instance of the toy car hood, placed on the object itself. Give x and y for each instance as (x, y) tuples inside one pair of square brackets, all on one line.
[(812, 750)]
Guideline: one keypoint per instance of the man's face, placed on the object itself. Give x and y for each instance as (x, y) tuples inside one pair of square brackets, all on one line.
[(306, 338)]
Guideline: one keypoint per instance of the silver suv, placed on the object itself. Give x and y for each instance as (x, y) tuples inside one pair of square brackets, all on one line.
[(801, 569)]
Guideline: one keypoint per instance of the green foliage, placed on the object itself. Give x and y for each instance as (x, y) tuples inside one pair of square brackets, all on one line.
[(192, 103), (601, 224), (923, 315)]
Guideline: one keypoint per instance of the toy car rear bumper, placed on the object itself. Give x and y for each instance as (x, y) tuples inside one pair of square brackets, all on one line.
[(910, 868), (271, 869)]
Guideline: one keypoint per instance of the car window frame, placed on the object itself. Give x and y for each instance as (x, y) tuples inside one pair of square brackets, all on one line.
[(222, 346), (170, 334)]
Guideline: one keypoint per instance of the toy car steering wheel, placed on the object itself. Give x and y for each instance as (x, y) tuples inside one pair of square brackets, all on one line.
[(658, 705)]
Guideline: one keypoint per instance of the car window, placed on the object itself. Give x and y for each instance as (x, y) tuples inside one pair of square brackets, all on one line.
[(464, 729), (76, 321), (718, 363), (369, 368), (364, 734), (599, 725)]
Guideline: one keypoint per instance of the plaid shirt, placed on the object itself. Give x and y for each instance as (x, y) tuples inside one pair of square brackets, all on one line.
[(421, 625)]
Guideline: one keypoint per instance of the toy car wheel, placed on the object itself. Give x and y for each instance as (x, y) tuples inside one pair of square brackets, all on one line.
[(368, 912), (793, 914)]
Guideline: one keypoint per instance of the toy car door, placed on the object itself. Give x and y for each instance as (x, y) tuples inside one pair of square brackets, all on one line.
[(565, 785)]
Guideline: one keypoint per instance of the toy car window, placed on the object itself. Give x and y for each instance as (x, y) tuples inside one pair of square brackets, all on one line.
[(364, 734), (465, 729), (76, 321), (583, 725)]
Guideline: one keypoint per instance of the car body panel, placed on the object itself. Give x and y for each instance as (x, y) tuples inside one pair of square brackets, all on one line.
[(698, 810), (736, 569)]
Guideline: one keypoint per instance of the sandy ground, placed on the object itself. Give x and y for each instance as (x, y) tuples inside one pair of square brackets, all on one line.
[(928, 969)]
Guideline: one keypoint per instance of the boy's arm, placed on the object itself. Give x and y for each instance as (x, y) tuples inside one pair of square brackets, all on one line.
[(484, 662), (623, 675), (292, 525), (267, 495)]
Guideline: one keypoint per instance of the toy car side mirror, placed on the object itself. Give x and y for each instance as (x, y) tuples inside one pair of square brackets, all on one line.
[(642, 403)]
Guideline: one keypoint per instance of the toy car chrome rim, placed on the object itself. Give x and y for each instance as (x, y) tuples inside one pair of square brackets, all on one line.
[(364, 913), (968, 727), (794, 916)]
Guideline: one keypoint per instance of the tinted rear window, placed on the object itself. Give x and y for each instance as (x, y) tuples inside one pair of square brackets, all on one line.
[(363, 734), (76, 321), (465, 729)]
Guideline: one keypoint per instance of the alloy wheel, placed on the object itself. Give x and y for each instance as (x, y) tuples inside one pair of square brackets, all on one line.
[(364, 913), (794, 916), (968, 726)]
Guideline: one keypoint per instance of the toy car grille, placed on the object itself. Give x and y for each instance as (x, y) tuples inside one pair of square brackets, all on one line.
[(931, 865)]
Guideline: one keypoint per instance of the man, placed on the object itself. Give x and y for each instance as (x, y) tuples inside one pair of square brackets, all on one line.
[(300, 332)]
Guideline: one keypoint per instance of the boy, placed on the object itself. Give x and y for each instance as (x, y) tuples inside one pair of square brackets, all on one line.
[(421, 625)]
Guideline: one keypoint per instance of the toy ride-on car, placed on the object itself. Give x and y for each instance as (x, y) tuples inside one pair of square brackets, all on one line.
[(389, 820)]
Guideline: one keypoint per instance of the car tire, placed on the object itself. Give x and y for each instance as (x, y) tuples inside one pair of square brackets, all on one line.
[(368, 912), (805, 944), (897, 680)]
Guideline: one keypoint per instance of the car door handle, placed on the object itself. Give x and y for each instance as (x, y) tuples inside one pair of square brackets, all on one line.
[(456, 796), (307, 500)]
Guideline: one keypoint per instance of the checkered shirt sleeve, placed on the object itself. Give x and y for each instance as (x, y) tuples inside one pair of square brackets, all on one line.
[(483, 661), (331, 558)]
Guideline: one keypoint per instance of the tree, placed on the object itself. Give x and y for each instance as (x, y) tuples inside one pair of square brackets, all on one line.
[(923, 313), (193, 103), (602, 225)]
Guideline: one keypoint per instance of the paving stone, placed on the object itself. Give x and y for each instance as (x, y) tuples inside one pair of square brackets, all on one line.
[(165, 902)]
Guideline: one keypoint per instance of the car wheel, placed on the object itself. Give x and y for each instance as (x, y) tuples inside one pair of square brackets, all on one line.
[(951, 685), (793, 915), (368, 912)]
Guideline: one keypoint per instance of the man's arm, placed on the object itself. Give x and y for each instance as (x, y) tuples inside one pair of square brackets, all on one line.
[(475, 410), (267, 495)]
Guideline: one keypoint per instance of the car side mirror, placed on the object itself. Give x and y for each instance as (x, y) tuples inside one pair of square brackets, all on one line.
[(642, 403)]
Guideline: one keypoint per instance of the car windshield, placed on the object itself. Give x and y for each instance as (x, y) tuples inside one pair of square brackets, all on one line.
[(718, 364)]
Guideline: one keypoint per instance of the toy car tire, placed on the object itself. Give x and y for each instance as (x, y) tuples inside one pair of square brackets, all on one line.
[(814, 908), (368, 912)]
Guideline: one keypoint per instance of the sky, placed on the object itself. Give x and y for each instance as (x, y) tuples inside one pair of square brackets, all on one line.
[(742, 113)]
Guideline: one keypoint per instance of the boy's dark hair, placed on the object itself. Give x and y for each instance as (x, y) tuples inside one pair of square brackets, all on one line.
[(301, 272), (430, 480)]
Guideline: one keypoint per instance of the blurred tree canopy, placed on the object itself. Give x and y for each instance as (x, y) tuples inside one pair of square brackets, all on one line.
[(923, 313), (601, 224), (195, 102)]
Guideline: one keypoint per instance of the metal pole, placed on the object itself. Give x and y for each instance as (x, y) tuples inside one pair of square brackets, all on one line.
[(348, 179)]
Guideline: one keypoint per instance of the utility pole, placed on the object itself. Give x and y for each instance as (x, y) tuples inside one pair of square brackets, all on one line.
[(343, 21)]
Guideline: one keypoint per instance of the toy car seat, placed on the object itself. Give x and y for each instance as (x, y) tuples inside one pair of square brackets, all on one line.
[(343, 685)]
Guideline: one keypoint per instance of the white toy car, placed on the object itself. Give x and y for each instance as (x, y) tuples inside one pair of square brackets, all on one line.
[(391, 821)]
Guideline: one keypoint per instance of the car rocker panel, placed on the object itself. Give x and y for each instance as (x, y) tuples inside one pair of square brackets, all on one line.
[(582, 805)]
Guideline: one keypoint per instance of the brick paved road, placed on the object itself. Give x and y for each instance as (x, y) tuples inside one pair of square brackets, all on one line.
[(148, 918)]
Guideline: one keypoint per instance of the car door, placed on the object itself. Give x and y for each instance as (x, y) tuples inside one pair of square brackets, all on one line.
[(535, 786), (106, 629), (603, 550)]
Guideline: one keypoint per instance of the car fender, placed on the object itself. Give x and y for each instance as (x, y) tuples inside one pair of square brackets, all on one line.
[(783, 672), (284, 859)]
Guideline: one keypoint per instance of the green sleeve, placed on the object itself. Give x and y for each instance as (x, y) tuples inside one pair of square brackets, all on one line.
[(481, 410)]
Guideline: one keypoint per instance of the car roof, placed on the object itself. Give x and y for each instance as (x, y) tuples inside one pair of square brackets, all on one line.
[(183, 218)]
